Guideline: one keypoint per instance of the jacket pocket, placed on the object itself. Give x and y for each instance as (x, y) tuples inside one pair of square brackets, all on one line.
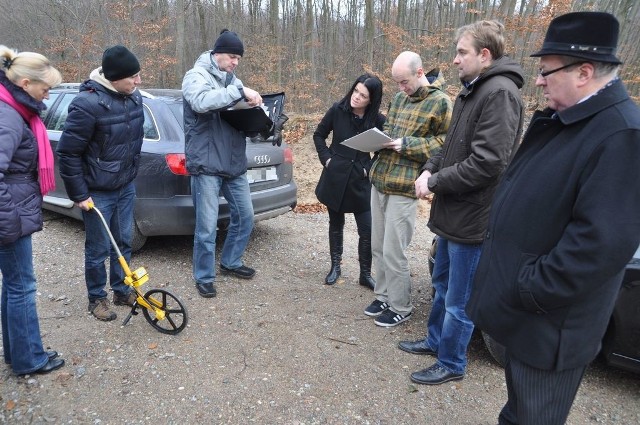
[(522, 285), (103, 174), (29, 210), (29, 206), (401, 177)]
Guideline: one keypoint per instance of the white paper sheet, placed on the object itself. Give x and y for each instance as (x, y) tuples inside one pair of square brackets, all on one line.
[(368, 141)]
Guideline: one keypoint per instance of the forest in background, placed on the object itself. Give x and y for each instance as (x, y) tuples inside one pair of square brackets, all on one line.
[(311, 49)]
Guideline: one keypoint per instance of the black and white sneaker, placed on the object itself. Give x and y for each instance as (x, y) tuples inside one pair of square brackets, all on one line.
[(389, 319), (376, 308)]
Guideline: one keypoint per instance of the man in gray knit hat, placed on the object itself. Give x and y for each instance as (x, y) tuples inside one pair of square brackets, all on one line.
[(216, 160)]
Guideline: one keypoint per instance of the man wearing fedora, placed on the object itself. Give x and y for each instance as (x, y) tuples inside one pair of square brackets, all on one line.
[(553, 259)]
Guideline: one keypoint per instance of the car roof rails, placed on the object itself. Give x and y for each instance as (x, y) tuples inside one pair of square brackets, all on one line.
[(146, 94), (76, 86), (67, 86)]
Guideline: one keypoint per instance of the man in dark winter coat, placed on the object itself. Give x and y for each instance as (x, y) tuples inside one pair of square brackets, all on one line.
[(564, 223), (216, 160), (99, 153), (485, 128)]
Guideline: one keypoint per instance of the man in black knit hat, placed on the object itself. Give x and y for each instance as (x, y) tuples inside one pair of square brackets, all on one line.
[(99, 153), (216, 160)]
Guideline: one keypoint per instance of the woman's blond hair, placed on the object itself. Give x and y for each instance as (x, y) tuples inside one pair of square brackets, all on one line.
[(30, 65)]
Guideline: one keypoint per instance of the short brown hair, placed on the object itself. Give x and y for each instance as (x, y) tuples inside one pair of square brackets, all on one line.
[(485, 35)]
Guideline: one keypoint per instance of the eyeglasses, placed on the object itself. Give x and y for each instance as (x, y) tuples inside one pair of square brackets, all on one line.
[(545, 74)]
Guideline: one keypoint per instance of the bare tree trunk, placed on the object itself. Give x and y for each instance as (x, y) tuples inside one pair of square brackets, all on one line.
[(369, 30), (181, 45)]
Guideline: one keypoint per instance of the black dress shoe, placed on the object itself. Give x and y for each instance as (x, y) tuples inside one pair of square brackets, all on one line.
[(206, 290), (435, 375), (50, 354), (243, 272), (51, 365), (416, 347)]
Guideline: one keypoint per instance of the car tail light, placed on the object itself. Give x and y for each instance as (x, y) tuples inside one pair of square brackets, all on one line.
[(177, 163), (288, 156)]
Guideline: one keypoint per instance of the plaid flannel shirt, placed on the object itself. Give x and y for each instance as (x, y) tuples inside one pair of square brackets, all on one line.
[(422, 121)]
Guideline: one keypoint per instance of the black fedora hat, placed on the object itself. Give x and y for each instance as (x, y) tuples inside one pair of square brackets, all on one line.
[(586, 35)]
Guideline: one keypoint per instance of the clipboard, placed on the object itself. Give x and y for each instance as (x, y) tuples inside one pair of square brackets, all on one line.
[(248, 120), (256, 119), (371, 140)]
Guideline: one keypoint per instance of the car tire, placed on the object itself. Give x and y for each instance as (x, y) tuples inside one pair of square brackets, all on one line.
[(137, 238), (496, 349), (432, 261)]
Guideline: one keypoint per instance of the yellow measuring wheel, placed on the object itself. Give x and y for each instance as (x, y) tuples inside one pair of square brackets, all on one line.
[(163, 310)]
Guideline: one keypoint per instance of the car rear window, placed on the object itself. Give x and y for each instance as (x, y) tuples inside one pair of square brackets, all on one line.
[(59, 115)]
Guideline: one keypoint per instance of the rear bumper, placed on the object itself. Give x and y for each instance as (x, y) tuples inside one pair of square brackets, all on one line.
[(175, 216)]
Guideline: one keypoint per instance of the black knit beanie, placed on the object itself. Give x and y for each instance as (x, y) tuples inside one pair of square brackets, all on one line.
[(228, 42), (118, 63)]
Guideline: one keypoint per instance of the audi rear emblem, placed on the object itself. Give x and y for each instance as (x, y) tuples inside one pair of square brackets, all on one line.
[(262, 159)]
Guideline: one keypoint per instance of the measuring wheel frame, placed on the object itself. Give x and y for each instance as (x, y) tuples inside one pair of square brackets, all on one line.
[(163, 310)]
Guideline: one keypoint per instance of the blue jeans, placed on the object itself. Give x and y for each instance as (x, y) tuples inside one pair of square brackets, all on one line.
[(205, 191), (21, 340), (117, 208), (449, 329)]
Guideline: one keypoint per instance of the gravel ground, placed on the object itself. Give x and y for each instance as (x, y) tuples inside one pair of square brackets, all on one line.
[(279, 349)]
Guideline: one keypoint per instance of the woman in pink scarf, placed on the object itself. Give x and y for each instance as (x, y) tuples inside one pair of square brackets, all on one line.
[(26, 173)]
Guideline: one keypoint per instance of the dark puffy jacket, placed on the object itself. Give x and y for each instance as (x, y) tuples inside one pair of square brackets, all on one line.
[(100, 146), (485, 128), (20, 198)]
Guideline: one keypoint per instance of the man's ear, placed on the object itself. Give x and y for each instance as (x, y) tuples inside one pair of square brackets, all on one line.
[(486, 55), (586, 71)]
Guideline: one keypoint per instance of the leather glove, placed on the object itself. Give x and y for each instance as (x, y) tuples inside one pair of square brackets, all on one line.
[(277, 130)]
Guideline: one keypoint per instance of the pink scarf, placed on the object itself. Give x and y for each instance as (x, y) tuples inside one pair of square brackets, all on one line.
[(45, 154)]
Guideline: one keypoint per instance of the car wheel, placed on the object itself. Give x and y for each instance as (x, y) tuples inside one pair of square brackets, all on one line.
[(137, 238), (496, 349)]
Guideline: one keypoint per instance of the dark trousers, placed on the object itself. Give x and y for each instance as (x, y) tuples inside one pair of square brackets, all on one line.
[(363, 222), (538, 397)]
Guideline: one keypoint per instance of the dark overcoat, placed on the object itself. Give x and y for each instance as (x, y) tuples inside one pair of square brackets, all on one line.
[(344, 185), (563, 225)]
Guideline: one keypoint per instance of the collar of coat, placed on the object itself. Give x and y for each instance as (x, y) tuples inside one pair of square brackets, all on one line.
[(611, 94)]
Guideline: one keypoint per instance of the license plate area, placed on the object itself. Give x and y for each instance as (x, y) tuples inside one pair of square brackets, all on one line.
[(264, 174)]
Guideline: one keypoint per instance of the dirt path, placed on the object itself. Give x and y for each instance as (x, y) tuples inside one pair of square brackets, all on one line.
[(280, 349)]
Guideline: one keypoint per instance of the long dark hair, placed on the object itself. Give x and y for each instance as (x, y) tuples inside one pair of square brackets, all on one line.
[(374, 85)]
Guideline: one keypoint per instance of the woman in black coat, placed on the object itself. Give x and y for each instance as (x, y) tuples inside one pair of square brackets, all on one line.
[(26, 173), (344, 185)]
